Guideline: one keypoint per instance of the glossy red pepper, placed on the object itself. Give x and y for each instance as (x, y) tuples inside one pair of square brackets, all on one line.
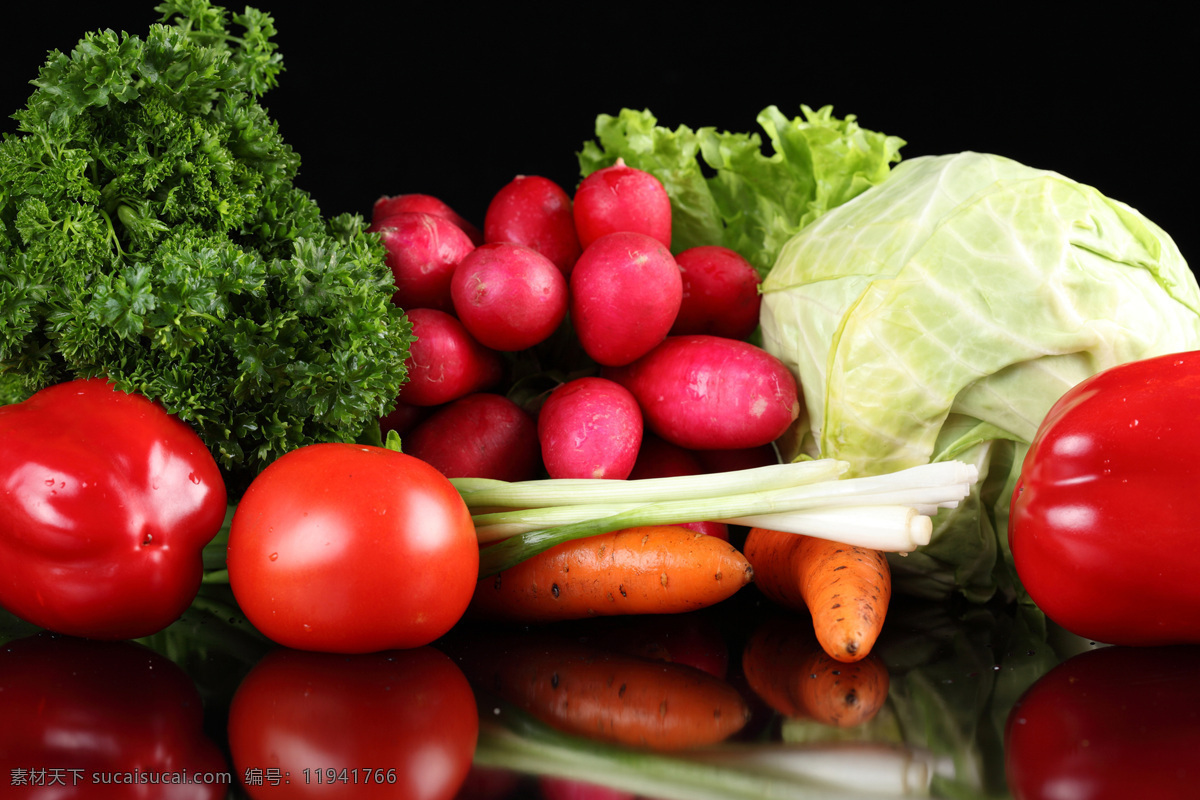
[(106, 502), (1117, 722), (99, 720), (1104, 524)]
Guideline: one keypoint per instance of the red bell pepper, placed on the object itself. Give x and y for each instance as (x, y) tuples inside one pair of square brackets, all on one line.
[(106, 503), (1104, 524), (99, 720), (1113, 723)]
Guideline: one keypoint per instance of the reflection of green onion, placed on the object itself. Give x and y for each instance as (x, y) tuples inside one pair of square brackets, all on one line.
[(883, 512), (889, 770), (836, 771)]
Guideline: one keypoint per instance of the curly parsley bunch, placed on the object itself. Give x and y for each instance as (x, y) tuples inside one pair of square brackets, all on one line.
[(150, 232)]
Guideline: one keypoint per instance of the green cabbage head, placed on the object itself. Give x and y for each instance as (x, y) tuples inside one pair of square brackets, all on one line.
[(939, 315)]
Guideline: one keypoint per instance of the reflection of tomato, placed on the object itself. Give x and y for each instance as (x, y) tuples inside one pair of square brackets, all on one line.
[(1118, 722), (352, 549), (399, 724), (102, 719)]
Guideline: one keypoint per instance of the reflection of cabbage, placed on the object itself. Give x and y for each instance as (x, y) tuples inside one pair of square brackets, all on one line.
[(940, 314)]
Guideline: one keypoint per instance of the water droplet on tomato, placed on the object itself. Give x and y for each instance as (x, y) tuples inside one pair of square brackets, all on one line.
[(194, 478), (273, 556)]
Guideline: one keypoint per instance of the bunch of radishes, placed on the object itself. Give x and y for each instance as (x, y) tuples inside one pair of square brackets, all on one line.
[(664, 381)]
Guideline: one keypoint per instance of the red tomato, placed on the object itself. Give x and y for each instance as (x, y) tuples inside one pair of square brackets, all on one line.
[(352, 549), (400, 724)]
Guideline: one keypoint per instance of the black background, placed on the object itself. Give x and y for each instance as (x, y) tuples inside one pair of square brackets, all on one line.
[(389, 98)]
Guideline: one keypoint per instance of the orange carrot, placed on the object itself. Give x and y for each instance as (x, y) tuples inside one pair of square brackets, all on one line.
[(787, 668), (846, 589), (841, 694), (590, 691), (660, 569), (769, 667)]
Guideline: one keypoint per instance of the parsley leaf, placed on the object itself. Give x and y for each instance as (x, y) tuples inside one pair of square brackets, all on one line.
[(151, 232)]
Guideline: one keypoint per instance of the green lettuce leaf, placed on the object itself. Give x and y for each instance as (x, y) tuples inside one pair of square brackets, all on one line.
[(940, 314), (725, 190)]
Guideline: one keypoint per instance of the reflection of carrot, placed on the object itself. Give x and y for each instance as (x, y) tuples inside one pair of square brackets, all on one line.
[(770, 665), (846, 589), (649, 570), (785, 666), (616, 698)]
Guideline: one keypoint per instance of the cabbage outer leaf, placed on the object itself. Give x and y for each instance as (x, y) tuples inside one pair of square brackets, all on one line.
[(967, 292)]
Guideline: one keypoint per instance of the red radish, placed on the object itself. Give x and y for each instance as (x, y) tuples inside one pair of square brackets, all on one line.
[(509, 296), (658, 458), (490, 783), (743, 458), (709, 528), (422, 250), (445, 362), (622, 198), (720, 293), (625, 293), (552, 787), (427, 204), (402, 418), (590, 428), (536, 212), (712, 393), (691, 638), (480, 435)]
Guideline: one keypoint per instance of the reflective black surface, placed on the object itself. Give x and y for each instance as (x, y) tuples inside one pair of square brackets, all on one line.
[(730, 702), (385, 98)]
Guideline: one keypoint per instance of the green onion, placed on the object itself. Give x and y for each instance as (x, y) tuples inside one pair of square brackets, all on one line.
[(568, 491), (883, 512)]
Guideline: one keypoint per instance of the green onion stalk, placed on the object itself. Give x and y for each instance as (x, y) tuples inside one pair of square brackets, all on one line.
[(890, 512)]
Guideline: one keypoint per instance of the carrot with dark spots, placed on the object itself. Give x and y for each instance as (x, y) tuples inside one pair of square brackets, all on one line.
[(613, 697), (786, 667), (845, 694), (662, 569), (845, 589)]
